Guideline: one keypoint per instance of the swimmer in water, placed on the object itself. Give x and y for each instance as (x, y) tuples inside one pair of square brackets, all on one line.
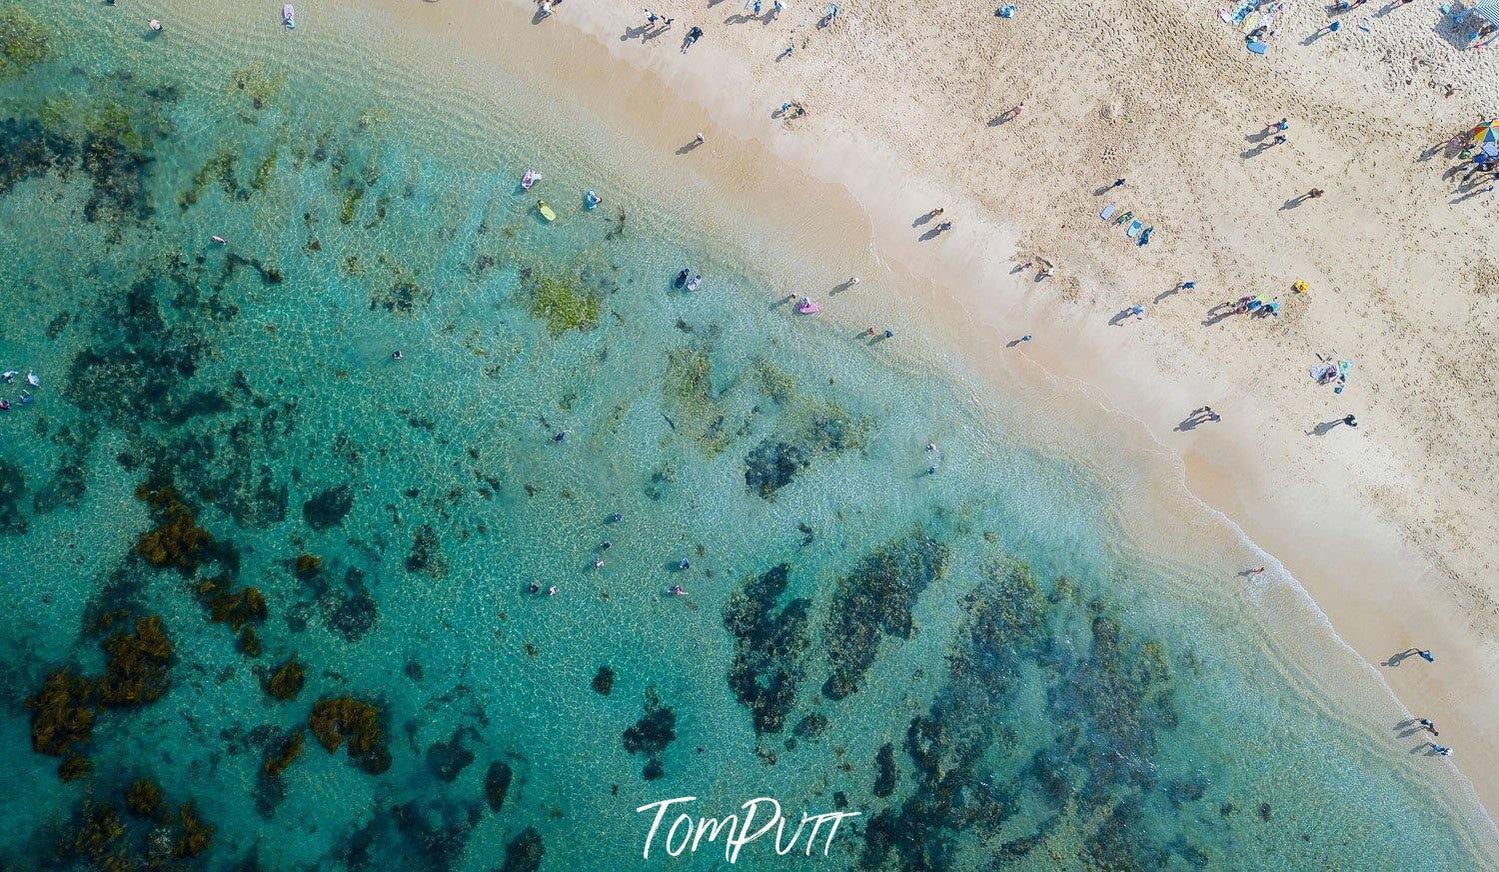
[(684, 564), (678, 591), (931, 446), (533, 587), (396, 355), (552, 591), (598, 563), (616, 517), (9, 376), (560, 436)]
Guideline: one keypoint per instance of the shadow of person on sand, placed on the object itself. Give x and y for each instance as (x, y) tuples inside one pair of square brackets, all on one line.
[(689, 147), (924, 218), (841, 287), (1294, 202), (1325, 427), (932, 234), (1121, 316), (1400, 657), (637, 32), (540, 16), (1219, 313)]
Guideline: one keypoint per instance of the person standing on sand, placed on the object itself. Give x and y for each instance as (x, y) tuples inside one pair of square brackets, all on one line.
[(1428, 726), (1314, 193), (1118, 183)]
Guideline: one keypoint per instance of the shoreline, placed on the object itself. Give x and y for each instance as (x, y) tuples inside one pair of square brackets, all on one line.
[(1360, 589), (1215, 472)]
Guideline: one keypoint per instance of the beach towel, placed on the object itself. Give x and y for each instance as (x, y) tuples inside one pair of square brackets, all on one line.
[(1108, 212), (1133, 230), (1145, 236), (1256, 46)]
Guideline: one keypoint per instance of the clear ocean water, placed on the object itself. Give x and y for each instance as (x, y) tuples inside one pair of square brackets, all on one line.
[(224, 471)]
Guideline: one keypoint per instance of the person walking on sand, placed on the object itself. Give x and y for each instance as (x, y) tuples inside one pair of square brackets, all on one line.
[(1428, 726), (1350, 420), (698, 140), (1314, 193), (1257, 570), (1118, 183)]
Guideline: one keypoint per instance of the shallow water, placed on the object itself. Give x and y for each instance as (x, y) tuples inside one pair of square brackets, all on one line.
[(973, 659)]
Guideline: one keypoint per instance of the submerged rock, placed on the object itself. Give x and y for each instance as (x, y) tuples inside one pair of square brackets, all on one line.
[(885, 772), (328, 507), (650, 736), (772, 465), (525, 852), (12, 490), (770, 647), (447, 760), (603, 681), (426, 555), (497, 784), (876, 600)]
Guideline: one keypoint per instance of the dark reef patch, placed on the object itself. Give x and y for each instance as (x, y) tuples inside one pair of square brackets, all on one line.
[(650, 736), (426, 556), (770, 647), (12, 491), (328, 507), (447, 760), (603, 681), (875, 600), (524, 853), (497, 784), (885, 772)]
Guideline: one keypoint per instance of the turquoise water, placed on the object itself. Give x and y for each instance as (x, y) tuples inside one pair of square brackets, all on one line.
[(965, 657)]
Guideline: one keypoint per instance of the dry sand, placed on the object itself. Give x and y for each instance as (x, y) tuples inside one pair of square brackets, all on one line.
[(1392, 527)]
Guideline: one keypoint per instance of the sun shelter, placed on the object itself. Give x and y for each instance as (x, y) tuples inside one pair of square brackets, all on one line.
[(1484, 19), (1487, 132)]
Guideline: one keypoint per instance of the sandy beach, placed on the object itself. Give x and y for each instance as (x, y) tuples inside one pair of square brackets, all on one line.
[(1391, 527)]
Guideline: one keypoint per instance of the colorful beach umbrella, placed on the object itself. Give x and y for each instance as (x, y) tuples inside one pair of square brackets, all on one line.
[(1487, 131)]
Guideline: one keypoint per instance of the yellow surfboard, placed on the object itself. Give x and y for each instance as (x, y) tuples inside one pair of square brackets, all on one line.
[(545, 210)]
